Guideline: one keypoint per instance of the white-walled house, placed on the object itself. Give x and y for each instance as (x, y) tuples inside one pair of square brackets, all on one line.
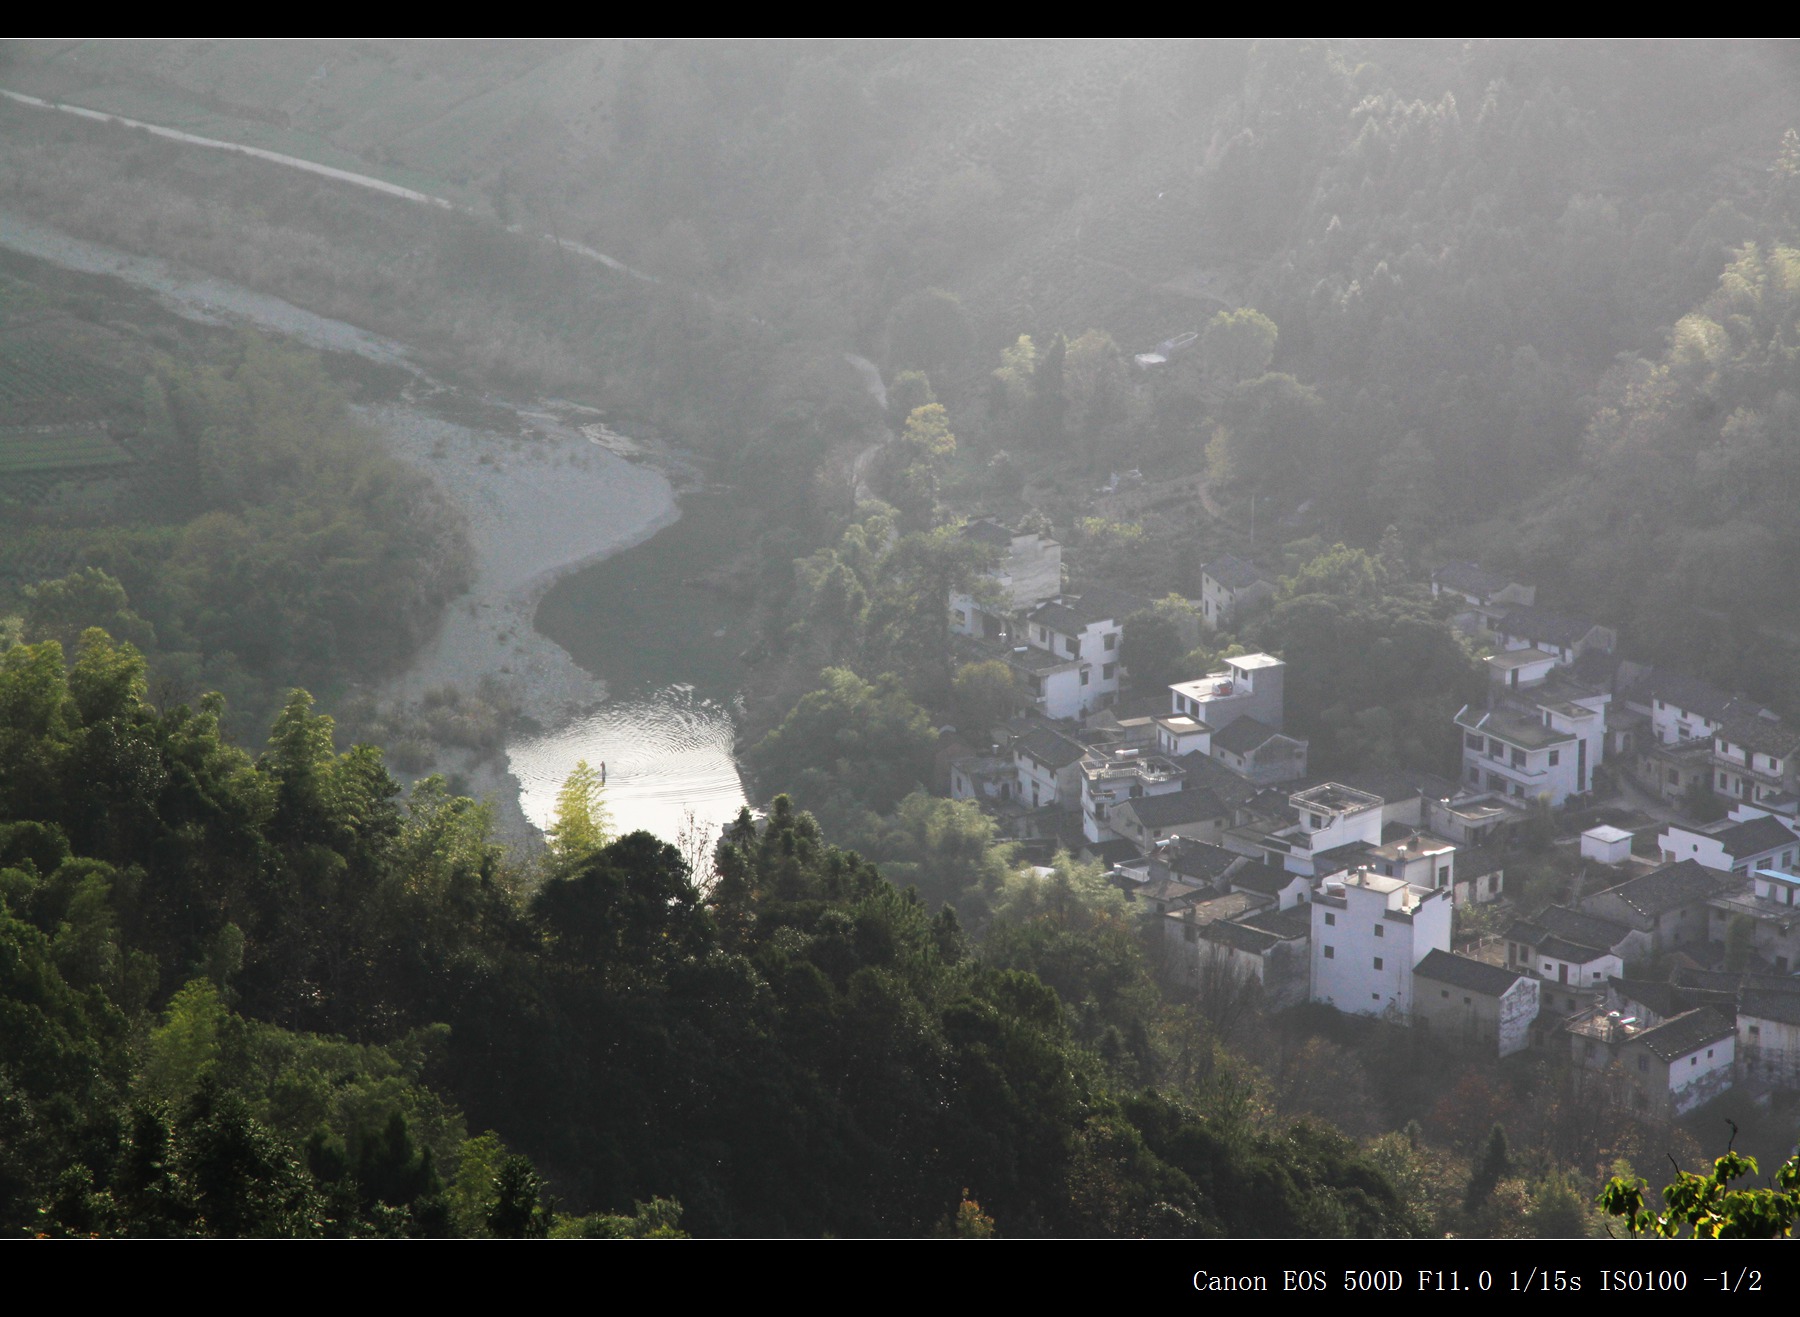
[(1329, 817), (1047, 767), (1768, 1034), (1474, 1003), (1026, 573), (1531, 755), (1738, 845), (1250, 686), (1576, 951), (1480, 595), (1147, 821), (1672, 1067), (1368, 934), (1567, 638), (1228, 584), (1081, 634), (1772, 909), (1110, 779), (1756, 761)]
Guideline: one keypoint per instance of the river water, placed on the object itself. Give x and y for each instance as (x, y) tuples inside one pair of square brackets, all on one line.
[(625, 663)]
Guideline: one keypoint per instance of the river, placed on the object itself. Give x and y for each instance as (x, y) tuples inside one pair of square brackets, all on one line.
[(632, 667)]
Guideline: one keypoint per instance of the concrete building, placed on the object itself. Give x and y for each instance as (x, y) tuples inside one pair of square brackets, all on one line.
[(1082, 634), (1474, 1003), (1540, 735), (1737, 845), (1672, 1067), (1229, 584), (1368, 935), (1250, 686), (1027, 572), (1047, 769), (1111, 779)]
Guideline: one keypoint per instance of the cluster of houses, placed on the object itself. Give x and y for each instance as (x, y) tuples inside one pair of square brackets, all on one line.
[(1342, 891)]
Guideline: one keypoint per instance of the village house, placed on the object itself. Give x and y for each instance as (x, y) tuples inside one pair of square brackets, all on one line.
[(1756, 761), (1768, 1033), (1249, 687), (1564, 638), (1479, 595), (1671, 1067), (1268, 945), (1258, 753), (1540, 736), (1027, 572), (1047, 769), (1071, 662), (1473, 1003), (989, 778), (1749, 840), (1109, 779), (1767, 916), (1666, 909), (1328, 819), (1368, 934), (1146, 821), (1576, 951), (1228, 584)]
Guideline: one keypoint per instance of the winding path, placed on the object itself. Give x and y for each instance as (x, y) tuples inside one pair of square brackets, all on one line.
[(313, 167)]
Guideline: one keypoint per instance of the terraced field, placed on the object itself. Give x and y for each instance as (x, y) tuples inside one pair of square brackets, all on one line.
[(41, 381), (28, 449)]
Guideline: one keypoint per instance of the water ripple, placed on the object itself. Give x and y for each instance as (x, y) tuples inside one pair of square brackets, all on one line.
[(667, 755)]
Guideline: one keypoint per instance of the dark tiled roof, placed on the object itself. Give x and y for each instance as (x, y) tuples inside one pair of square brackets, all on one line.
[(1535, 624), (1654, 995), (1240, 936), (989, 532), (1049, 747), (1243, 736), (1524, 930), (1771, 1004), (1757, 733), (1470, 578), (1576, 953), (1580, 926), (1674, 1039), (1688, 694), (1294, 922), (1196, 859), (1175, 807), (1396, 785), (1233, 572), (1098, 604), (1110, 852), (1753, 837), (1205, 771), (1255, 876), (1461, 972), (1665, 889)]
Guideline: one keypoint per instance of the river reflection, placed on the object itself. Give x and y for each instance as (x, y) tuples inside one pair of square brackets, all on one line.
[(667, 647), (668, 763)]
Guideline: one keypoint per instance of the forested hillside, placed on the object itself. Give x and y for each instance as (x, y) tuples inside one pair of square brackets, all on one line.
[(1455, 241), (272, 996)]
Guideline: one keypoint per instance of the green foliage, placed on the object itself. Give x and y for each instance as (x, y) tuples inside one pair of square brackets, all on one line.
[(985, 695), (1373, 677), (861, 742), (1706, 1206), (1014, 375), (660, 1218), (1238, 345), (581, 825), (1495, 1164)]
